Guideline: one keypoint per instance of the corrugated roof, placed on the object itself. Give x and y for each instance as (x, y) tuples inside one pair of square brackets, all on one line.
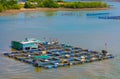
[(32, 40)]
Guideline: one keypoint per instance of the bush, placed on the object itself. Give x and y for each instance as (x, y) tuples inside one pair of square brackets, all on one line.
[(41, 5), (50, 4), (8, 4), (84, 5), (54, 4), (29, 4), (16, 6), (1, 8), (60, 1)]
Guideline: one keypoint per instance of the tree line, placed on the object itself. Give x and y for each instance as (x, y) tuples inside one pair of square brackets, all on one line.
[(41, 3), (84, 5), (9, 4), (13, 4), (63, 4)]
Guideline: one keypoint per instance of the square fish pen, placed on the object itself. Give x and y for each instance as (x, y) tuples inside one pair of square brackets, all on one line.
[(53, 55)]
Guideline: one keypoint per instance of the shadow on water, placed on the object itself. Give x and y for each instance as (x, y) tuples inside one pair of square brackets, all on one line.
[(50, 13)]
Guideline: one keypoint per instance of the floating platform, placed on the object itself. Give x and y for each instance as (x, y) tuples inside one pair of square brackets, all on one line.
[(97, 14), (110, 17), (54, 55)]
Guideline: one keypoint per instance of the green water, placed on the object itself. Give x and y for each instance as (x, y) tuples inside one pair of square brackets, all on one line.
[(71, 27)]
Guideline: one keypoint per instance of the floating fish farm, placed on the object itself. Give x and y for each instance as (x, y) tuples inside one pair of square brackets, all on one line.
[(53, 54)]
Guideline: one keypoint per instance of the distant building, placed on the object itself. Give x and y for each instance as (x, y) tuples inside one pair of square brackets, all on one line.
[(26, 44)]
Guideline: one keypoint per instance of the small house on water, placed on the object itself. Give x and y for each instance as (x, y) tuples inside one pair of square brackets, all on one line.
[(25, 44)]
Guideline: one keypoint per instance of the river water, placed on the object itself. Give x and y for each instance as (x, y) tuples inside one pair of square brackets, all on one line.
[(71, 27)]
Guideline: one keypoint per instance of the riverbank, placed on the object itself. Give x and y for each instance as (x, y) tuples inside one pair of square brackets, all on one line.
[(10, 12)]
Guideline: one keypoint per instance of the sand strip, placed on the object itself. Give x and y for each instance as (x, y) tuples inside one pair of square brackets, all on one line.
[(9, 12)]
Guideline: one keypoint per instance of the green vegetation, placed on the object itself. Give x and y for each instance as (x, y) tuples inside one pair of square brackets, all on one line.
[(8, 4), (13, 4), (50, 4), (1, 7), (41, 3), (60, 1), (56, 4), (84, 5)]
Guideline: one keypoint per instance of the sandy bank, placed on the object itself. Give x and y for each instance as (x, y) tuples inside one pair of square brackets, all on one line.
[(9, 12)]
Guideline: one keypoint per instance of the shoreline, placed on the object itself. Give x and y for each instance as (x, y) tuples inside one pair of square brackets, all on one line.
[(10, 12)]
